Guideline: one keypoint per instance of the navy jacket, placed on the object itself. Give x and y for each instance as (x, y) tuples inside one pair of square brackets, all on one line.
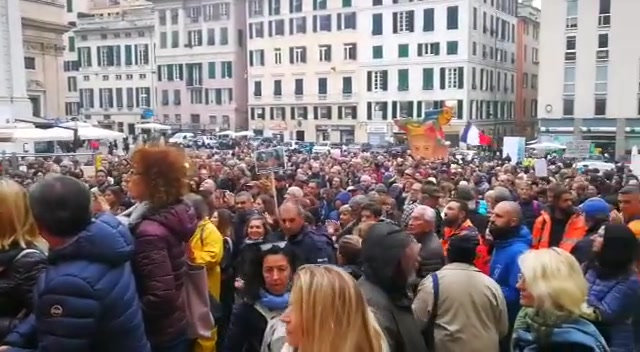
[(246, 329), (86, 299), (312, 247)]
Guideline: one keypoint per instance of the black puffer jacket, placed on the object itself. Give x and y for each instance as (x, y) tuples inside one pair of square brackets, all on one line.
[(18, 275), (431, 255)]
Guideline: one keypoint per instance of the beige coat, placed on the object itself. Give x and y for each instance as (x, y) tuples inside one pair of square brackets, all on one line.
[(472, 313)]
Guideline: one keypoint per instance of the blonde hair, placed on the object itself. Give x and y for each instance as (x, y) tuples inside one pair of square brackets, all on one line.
[(554, 279), (362, 228), (16, 220), (320, 296)]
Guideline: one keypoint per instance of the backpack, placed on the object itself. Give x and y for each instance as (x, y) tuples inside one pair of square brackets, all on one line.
[(275, 334)]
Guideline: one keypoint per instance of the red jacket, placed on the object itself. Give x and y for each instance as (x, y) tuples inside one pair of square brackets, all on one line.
[(483, 257)]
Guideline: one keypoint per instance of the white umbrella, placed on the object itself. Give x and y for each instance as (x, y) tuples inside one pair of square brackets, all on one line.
[(226, 133), (546, 146), (533, 141), (152, 126), (88, 132), (244, 134), (27, 132)]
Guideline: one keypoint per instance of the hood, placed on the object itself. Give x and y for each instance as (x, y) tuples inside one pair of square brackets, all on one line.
[(106, 240), (8, 256), (381, 252), (523, 236), (179, 219)]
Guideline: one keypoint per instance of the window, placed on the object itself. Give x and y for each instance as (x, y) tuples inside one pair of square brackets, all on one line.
[(196, 96), (277, 88), (569, 80), (534, 55), (256, 30), (403, 21), (347, 85), (256, 58), (194, 13), (403, 80), (163, 40), (604, 16), (276, 28), (377, 81), (600, 105), (277, 56), (452, 17), (175, 39), (322, 86), (299, 87), (428, 49), (165, 97), (324, 53), (174, 16), (603, 47), (70, 6), (30, 62), (298, 25), (346, 21), (376, 24), (320, 4), (475, 18), (534, 81), (452, 78), (525, 80), (194, 38), (298, 55), (227, 69), (349, 51), (321, 23), (403, 50), (72, 84), (570, 48), (72, 43), (255, 8), (377, 52), (428, 20), (601, 79), (295, 6), (452, 47), (346, 3), (572, 15), (427, 78), (224, 36), (257, 89), (274, 7)]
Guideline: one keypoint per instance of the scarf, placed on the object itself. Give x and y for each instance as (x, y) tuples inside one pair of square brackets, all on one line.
[(273, 302), (132, 216), (541, 323)]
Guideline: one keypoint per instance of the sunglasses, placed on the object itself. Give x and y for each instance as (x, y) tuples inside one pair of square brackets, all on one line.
[(268, 246)]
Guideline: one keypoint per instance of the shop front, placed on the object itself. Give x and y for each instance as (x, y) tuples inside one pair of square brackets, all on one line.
[(344, 134), (377, 133)]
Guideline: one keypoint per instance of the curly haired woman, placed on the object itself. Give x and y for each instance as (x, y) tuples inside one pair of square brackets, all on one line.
[(162, 224)]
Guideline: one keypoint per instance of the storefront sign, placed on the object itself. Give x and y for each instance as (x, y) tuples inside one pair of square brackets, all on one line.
[(376, 128), (335, 128)]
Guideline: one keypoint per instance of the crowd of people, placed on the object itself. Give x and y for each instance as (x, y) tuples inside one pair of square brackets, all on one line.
[(359, 253)]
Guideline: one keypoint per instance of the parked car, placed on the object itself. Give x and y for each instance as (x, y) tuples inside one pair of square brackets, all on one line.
[(354, 148), (321, 147), (182, 138), (208, 142)]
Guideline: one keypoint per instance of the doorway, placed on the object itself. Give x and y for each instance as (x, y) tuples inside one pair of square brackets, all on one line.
[(300, 136)]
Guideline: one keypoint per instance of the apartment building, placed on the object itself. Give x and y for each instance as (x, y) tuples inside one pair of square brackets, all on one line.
[(73, 8), (340, 70), (527, 62), (590, 73), (116, 67), (43, 27), (201, 57)]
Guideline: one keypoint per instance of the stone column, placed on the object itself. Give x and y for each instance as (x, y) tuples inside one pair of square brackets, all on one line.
[(577, 132), (14, 101), (621, 142)]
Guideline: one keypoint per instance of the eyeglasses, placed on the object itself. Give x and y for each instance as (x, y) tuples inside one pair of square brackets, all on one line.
[(268, 246)]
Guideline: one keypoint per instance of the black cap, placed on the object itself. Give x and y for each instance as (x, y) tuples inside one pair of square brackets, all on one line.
[(462, 247)]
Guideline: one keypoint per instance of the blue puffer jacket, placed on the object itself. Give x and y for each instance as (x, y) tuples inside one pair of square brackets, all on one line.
[(86, 300), (504, 268), (615, 300)]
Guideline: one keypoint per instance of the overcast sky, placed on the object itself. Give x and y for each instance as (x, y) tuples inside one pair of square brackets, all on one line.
[(537, 2)]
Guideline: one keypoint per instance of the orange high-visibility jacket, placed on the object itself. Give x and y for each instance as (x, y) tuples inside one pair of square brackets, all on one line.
[(483, 257), (574, 231)]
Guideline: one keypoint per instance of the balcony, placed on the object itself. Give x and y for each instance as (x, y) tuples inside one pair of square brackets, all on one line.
[(124, 21)]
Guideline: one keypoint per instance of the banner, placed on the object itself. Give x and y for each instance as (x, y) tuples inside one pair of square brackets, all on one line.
[(425, 136)]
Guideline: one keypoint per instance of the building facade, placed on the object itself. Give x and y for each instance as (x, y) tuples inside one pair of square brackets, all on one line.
[(73, 9), (115, 61), (201, 57), (43, 27), (527, 62), (590, 73), (340, 70)]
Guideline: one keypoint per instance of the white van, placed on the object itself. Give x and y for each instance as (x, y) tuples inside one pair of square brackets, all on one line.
[(182, 138)]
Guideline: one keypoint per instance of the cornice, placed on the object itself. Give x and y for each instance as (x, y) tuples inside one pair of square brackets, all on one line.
[(55, 27), (52, 3)]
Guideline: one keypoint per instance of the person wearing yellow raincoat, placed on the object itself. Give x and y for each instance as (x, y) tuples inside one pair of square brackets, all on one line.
[(206, 248)]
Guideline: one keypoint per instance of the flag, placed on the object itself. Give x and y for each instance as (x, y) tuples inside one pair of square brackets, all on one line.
[(471, 135)]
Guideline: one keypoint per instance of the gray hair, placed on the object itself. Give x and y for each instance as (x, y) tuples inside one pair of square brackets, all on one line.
[(198, 204), (501, 194), (357, 201), (295, 191), (426, 212)]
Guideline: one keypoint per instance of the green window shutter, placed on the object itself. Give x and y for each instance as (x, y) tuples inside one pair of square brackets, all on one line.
[(128, 55), (212, 70), (427, 78), (403, 50), (394, 110), (346, 3), (452, 47), (436, 52), (403, 80), (419, 111), (369, 81), (72, 43), (69, 6), (378, 52), (376, 24)]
